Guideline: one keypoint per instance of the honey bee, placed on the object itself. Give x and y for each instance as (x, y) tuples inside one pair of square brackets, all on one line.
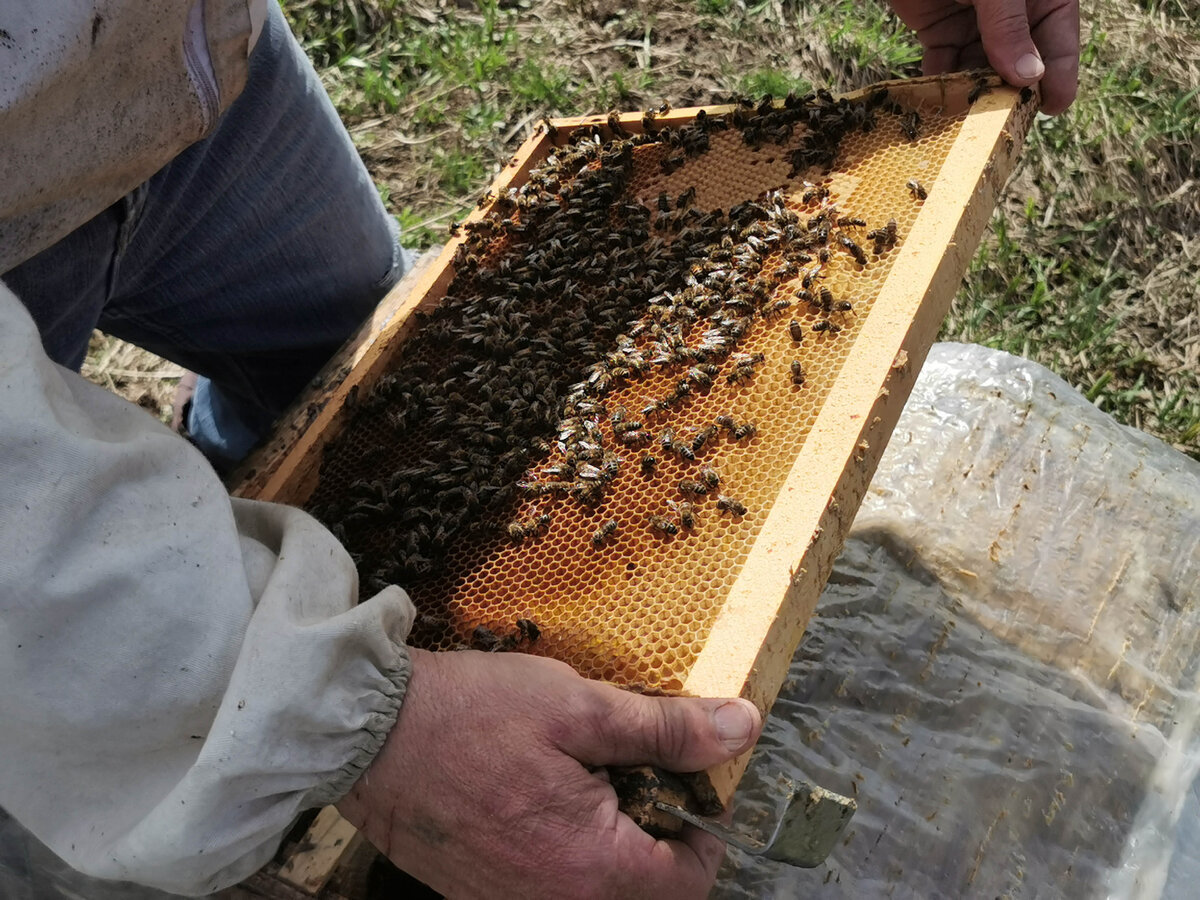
[(615, 126), (694, 488), (589, 472), (826, 325), (796, 330), (662, 524), (649, 464), (726, 422), (740, 374), (603, 533), (710, 476), (518, 531), (703, 436), (884, 237), (483, 638), (543, 488), (523, 528), (910, 124), (730, 505), (745, 430), (814, 194), (854, 250), (557, 472), (702, 374), (673, 162), (634, 437), (681, 390), (797, 372), (980, 88), (776, 309), (916, 189), (686, 512), (528, 630), (654, 406), (787, 271), (465, 259)]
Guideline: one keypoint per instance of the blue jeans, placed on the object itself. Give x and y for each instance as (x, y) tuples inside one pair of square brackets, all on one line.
[(249, 259)]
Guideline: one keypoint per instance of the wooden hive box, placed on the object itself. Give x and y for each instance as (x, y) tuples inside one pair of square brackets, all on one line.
[(757, 337)]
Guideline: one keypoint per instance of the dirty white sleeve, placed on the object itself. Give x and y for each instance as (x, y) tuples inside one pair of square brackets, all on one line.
[(258, 18), (181, 673)]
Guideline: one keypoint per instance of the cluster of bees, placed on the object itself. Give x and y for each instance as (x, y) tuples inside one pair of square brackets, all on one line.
[(826, 121), (566, 291), (693, 332)]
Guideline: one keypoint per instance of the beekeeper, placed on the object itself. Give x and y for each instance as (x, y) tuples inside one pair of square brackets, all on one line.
[(183, 673)]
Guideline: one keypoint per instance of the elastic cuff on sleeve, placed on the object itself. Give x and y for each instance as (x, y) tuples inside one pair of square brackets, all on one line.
[(374, 733)]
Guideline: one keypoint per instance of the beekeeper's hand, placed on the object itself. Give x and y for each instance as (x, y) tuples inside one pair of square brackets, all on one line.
[(483, 787), (1025, 41)]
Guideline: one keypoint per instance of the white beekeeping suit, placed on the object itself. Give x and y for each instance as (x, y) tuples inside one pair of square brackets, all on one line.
[(182, 673), (98, 95)]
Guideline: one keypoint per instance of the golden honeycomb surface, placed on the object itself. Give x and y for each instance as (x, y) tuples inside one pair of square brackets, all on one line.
[(636, 606)]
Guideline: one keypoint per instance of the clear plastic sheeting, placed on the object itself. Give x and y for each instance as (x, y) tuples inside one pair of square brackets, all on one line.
[(1003, 667)]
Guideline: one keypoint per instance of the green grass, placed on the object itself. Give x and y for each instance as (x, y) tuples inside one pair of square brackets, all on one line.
[(1091, 267), (1092, 263), (773, 82), (867, 36)]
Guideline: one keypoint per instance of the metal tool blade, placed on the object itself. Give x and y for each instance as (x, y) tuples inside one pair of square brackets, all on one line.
[(810, 823)]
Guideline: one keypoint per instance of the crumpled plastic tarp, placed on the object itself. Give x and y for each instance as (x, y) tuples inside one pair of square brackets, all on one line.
[(1002, 670)]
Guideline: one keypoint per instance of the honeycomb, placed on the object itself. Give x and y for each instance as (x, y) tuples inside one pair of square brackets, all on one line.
[(499, 472)]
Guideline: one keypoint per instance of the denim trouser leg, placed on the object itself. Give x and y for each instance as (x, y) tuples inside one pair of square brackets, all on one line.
[(249, 258)]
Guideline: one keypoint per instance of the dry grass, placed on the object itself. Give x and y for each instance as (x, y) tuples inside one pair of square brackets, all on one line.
[(437, 95), (1093, 263), (136, 374)]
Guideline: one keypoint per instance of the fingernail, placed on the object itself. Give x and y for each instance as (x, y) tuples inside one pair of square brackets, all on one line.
[(734, 723), (1030, 66)]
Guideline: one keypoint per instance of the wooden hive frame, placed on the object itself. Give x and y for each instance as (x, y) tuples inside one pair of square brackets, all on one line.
[(765, 613)]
